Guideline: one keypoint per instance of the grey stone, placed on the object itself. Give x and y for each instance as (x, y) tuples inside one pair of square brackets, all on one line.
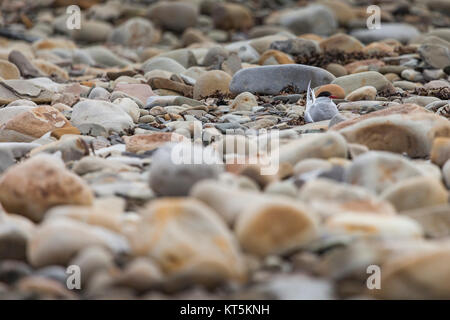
[(170, 176), (273, 79), (317, 19), (398, 31), (296, 46)]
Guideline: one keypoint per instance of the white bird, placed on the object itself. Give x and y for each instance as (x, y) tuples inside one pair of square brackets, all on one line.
[(320, 108)]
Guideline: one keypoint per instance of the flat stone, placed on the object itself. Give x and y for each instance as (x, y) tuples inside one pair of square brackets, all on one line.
[(32, 124), (321, 146), (398, 31), (273, 79), (355, 81), (108, 115)]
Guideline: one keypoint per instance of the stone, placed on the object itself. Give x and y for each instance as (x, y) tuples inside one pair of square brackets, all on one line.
[(212, 82), (51, 69), (91, 164), (92, 260), (175, 16), (162, 83), (9, 70), (263, 44), (177, 167), (341, 42), (185, 57), (337, 70), (140, 143), (24, 65), (274, 227), (378, 48), (321, 146), (162, 63), (32, 124), (99, 93), (378, 170), (435, 221), (328, 198), (317, 19), (138, 91), (436, 84), (296, 46), (130, 107), (343, 12), (92, 32), (232, 16), (34, 186), (274, 57), (141, 274), (403, 128), (271, 80), (227, 201), (374, 225), (363, 93), (440, 151), (38, 90), (416, 192), (58, 241), (71, 147), (102, 56), (135, 32), (398, 31), (244, 102), (411, 75), (335, 90), (437, 56), (168, 233), (355, 81), (415, 266), (108, 115), (364, 65), (446, 173)]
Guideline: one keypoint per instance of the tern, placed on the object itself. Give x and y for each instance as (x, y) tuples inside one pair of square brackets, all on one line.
[(320, 108)]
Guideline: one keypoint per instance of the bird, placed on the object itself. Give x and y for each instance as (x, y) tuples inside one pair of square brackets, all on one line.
[(320, 108)]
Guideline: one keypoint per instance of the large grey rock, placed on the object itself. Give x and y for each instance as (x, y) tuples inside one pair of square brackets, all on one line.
[(398, 31), (273, 79), (317, 19)]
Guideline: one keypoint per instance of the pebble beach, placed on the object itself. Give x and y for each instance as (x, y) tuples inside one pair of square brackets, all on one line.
[(215, 149)]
